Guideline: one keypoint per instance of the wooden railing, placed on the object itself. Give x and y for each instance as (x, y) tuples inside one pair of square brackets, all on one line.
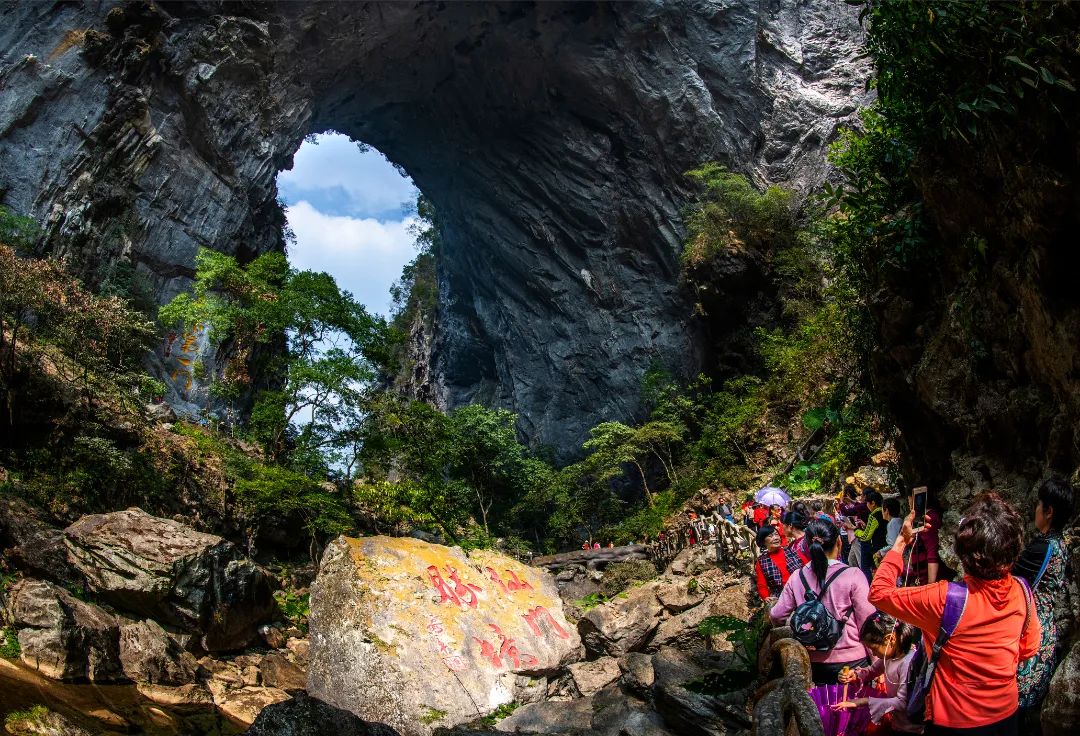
[(783, 704)]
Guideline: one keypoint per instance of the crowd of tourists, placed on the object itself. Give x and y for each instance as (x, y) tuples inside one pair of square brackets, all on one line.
[(863, 588), (695, 529)]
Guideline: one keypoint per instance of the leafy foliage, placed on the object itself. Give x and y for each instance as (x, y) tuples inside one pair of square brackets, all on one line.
[(588, 602), (331, 347), (32, 718), (745, 636), (52, 328), (9, 643), (622, 575), (17, 231), (449, 470), (296, 607), (732, 214), (499, 713)]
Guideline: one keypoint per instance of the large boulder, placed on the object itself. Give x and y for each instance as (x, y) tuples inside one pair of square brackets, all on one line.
[(173, 574), (622, 625), (148, 654), (305, 716), (417, 635), (62, 637)]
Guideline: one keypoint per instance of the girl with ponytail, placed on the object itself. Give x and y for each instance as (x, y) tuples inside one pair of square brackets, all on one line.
[(844, 597), (892, 642)]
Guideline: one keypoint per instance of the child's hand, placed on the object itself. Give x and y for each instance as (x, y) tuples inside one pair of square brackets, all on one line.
[(846, 676), (846, 705)]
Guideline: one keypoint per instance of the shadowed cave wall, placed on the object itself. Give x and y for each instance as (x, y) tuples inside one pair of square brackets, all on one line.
[(551, 137)]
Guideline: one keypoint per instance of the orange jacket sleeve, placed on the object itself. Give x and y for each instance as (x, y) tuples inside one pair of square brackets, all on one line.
[(762, 586)]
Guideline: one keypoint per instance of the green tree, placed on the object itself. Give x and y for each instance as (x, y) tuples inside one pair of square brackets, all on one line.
[(331, 346), (613, 444)]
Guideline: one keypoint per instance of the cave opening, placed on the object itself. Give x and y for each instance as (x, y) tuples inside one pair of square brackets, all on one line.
[(350, 213)]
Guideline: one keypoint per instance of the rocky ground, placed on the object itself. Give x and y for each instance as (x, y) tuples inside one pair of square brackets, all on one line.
[(184, 624), (127, 598)]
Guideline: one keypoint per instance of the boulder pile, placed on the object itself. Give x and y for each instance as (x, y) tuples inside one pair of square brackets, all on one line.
[(160, 568)]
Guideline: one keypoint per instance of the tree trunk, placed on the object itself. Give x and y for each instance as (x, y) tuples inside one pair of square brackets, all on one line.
[(644, 483)]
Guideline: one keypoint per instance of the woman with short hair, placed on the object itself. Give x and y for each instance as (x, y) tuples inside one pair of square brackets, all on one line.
[(774, 565), (1043, 564), (974, 688)]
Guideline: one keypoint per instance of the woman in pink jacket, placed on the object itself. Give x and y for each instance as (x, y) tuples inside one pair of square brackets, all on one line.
[(845, 599)]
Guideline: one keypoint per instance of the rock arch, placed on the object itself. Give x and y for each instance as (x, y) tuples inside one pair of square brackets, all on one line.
[(551, 137)]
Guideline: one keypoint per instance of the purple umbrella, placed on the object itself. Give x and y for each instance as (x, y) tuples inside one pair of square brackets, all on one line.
[(771, 496), (841, 722)]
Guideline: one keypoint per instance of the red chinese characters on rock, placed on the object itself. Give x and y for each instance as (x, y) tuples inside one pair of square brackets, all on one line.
[(515, 583), (539, 614), (462, 594), (507, 652)]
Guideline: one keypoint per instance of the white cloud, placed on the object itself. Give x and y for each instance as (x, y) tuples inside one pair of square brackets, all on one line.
[(365, 256), (335, 175)]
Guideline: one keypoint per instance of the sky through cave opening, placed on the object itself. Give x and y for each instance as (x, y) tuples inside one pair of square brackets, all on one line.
[(352, 212)]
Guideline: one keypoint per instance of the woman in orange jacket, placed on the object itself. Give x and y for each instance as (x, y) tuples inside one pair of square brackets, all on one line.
[(974, 689)]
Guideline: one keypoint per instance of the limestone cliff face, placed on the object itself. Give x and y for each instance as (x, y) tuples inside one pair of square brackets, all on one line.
[(979, 364), (552, 139)]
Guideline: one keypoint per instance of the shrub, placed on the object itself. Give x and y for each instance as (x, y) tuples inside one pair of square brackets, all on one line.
[(622, 575), (9, 643)]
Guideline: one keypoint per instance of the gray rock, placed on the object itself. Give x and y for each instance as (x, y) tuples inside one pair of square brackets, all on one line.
[(36, 546), (637, 673), (530, 689), (677, 596), (393, 612), (558, 174), (615, 714), (680, 631), (605, 713), (689, 712), (1061, 709), (62, 637), (550, 717), (148, 654), (281, 672), (622, 625), (302, 715), (174, 574), (592, 677)]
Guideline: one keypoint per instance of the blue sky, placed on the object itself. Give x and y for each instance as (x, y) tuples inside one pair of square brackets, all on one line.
[(351, 212)]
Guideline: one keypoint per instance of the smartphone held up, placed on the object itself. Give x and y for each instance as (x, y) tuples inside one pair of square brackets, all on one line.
[(919, 505)]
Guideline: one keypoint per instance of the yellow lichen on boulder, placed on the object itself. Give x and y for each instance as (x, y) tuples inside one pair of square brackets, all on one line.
[(427, 628)]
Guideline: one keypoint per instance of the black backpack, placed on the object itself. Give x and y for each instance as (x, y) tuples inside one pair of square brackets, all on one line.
[(811, 623)]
